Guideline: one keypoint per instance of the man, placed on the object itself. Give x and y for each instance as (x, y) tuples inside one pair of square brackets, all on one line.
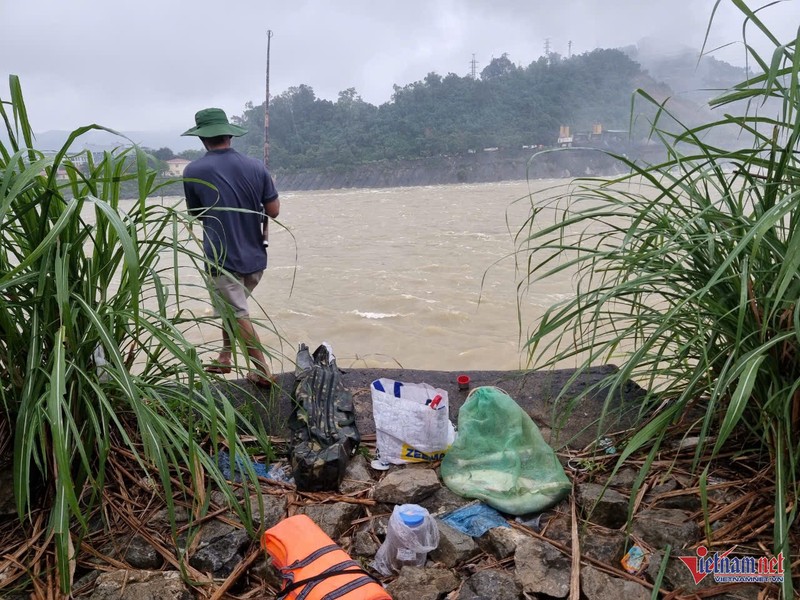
[(232, 194)]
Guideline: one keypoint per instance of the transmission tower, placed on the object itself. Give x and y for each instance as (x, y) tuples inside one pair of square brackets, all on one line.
[(473, 67), (547, 47), (569, 49)]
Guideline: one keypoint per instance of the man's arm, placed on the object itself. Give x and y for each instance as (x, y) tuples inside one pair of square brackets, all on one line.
[(273, 207)]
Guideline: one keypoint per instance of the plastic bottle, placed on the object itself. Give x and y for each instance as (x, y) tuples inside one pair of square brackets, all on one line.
[(411, 534)]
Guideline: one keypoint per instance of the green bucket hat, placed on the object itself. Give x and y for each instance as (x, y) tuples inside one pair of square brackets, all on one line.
[(211, 122)]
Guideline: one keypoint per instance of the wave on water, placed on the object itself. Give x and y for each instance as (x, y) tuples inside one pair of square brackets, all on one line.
[(374, 315), (412, 297)]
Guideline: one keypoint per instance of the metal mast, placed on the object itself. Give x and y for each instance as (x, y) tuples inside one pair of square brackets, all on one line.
[(266, 107), (265, 227)]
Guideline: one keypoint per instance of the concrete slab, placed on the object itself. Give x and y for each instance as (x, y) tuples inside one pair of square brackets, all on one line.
[(563, 423)]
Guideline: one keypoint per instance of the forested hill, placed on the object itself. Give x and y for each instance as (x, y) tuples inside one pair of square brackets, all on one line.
[(507, 107)]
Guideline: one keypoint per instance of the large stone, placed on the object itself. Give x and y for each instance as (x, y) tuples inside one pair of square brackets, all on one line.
[(676, 574), (141, 555), (454, 546), (606, 546), (219, 552), (274, 510), (500, 542), (140, 585), (161, 518), (419, 583), (334, 519), (661, 526), (668, 495), (624, 478), (596, 585), (407, 486), (541, 568), (491, 583), (266, 572), (443, 501), (364, 544), (603, 506), (357, 476)]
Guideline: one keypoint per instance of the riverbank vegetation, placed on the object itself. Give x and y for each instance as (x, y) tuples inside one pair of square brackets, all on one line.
[(687, 276), (93, 356)]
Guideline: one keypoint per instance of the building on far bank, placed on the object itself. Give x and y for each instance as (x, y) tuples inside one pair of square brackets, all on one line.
[(175, 166)]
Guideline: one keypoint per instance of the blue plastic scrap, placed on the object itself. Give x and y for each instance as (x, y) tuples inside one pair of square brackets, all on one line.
[(224, 462), (475, 519)]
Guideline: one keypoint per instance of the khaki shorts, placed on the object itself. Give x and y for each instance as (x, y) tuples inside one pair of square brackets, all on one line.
[(235, 291)]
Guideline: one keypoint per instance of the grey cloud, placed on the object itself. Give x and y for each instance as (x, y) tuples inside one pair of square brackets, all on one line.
[(151, 64)]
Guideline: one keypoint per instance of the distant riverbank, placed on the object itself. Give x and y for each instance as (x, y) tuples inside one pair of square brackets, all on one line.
[(485, 166)]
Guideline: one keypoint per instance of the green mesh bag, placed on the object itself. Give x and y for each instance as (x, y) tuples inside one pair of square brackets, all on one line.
[(500, 457)]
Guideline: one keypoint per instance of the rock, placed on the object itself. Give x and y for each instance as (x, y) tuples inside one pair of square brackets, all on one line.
[(161, 517), (274, 510), (357, 476), (407, 486), (454, 546), (266, 572), (334, 519), (140, 585), (443, 501), (491, 583), (606, 546), (419, 583), (688, 502), (676, 574), (141, 555), (559, 527), (603, 506), (541, 568), (80, 586), (661, 526), (500, 542), (624, 478), (596, 585), (220, 549), (364, 544)]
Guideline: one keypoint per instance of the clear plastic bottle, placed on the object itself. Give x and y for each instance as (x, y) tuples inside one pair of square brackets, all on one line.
[(411, 534)]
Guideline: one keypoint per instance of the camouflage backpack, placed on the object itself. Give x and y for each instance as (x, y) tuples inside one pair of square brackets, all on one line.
[(324, 433)]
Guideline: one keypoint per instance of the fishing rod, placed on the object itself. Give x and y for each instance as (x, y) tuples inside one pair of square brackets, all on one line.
[(265, 230)]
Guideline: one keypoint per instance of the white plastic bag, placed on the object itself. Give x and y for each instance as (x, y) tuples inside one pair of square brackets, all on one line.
[(411, 423)]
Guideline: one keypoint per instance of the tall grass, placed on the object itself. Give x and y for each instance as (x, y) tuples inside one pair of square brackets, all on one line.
[(687, 274), (91, 344)]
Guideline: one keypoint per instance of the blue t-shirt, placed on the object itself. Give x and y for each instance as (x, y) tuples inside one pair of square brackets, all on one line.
[(232, 210)]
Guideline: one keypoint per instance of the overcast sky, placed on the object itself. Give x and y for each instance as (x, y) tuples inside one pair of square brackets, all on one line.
[(150, 65)]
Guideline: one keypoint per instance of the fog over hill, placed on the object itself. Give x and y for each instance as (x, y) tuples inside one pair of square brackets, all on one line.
[(679, 68)]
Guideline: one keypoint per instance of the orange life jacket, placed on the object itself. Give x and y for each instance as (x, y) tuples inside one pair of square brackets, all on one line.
[(314, 567)]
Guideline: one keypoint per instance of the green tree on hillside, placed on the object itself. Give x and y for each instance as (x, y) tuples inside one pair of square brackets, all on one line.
[(507, 107)]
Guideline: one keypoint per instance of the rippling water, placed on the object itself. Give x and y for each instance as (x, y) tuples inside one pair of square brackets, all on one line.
[(423, 277), (418, 277)]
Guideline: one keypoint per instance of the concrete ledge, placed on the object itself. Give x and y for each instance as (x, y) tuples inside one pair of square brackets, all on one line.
[(535, 391)]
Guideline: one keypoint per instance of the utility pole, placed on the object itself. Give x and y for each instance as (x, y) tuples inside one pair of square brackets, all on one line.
[(265, 227), (266, 107)]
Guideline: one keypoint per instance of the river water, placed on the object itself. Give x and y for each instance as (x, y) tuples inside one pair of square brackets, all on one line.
[(416, 277)]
